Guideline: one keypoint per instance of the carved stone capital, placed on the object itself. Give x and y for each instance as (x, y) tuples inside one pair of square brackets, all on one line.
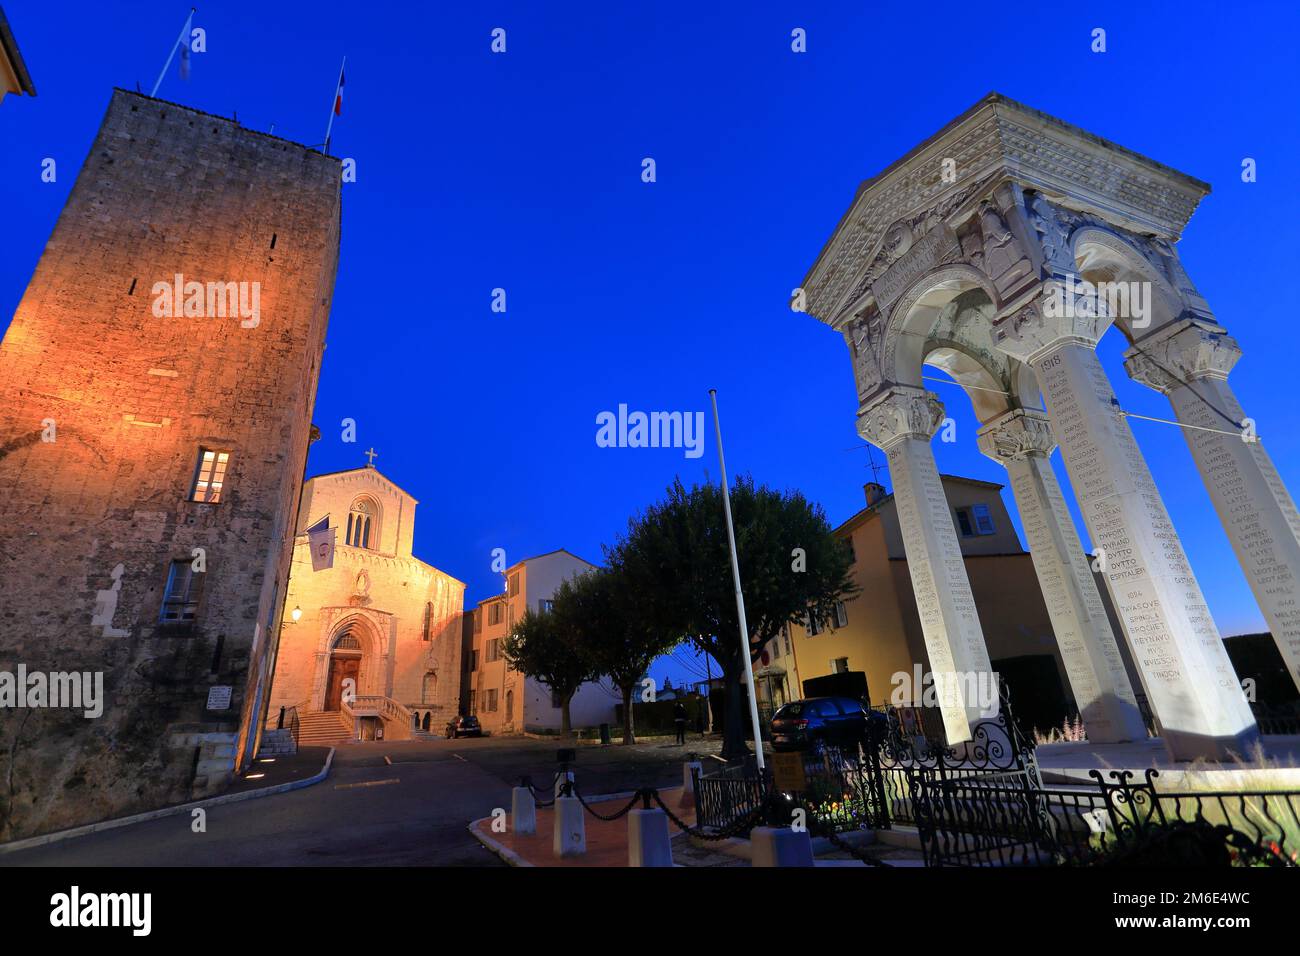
[(1020, 433), (1182, 353), (1060, 312), (898, 412)]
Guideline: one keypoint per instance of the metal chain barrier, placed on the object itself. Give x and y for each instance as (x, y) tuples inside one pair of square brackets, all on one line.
[(736, 827), (600, 816)]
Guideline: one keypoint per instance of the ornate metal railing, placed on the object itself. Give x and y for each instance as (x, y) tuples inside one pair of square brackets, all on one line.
[(983, 821)]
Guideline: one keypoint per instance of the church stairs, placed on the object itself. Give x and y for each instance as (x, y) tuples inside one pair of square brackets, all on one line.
[(323, 729)]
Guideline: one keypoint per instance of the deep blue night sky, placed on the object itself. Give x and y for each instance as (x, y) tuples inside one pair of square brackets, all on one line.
[(522, 171)]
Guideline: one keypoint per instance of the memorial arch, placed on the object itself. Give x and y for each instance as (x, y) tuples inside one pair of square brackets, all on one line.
[(995, 275)]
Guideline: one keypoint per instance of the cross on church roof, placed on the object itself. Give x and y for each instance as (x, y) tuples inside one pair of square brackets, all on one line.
[(372, 455)]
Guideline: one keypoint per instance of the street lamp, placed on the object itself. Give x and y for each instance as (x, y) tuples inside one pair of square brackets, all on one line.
[(296, 614)]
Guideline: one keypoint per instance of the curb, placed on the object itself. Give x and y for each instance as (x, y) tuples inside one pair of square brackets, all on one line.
[(500, 849), (59, 836)]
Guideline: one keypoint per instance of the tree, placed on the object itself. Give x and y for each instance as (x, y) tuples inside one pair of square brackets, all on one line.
[(538, 646), (676, 562), (603, 614)]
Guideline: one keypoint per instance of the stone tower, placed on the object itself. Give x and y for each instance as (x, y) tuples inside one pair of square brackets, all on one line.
[(156, 389)]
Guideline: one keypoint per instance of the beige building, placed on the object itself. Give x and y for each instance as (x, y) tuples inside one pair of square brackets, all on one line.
[(878, 632), (502, 698), (379, 618)]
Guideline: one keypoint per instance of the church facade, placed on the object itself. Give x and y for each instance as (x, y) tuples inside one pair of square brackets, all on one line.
[(375, 650)]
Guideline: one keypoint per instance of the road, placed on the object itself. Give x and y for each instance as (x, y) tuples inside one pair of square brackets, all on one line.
[(367, 812)]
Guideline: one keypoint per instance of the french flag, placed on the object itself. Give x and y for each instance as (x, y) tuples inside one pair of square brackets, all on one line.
[(338, 96)]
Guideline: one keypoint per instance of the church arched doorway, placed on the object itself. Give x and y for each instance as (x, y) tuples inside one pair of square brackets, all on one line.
[(344, 670)]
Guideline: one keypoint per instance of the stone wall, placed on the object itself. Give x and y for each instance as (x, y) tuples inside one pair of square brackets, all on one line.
[(91, 521)]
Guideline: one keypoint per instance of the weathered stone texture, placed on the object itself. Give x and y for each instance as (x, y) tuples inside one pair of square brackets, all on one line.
[(165, 190)]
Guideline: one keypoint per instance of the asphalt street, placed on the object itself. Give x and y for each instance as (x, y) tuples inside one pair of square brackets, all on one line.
[(369, 812)]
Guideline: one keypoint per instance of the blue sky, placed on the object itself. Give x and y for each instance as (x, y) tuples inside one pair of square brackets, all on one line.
[(522, 171)]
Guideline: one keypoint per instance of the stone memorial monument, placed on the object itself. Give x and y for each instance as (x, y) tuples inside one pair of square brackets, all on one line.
[(1000, 250)]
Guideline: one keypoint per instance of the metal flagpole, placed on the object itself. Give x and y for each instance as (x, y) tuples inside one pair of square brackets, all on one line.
[(334, 99), (185, 31), (740, 597)]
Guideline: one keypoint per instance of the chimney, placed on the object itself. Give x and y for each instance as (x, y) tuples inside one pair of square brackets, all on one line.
[(874, 492)]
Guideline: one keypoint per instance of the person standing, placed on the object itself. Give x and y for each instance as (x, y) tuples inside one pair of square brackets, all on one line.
[(679, 718)]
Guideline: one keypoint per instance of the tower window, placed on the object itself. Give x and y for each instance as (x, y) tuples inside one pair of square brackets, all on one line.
[(363, 524), (210, 475), (180, 597)]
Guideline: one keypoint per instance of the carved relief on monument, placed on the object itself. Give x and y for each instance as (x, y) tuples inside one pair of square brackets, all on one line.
[(1183, 353), (900, 411), (1018, 434)]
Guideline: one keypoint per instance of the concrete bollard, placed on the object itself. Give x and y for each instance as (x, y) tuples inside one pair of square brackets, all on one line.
[(647, 838), (570, 838), (523, 810), (781, 846), (688, 783)]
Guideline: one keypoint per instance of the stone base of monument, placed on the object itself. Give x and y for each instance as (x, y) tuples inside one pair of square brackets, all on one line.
[(1070, 763)]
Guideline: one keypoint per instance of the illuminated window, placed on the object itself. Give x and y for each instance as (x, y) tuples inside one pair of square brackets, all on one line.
[(210, 476), (514, 584), (841, 614), (180, 597), (363, 524), (545, 606)]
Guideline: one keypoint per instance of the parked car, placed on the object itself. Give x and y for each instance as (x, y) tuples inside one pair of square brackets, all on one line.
[(821, 721), (464, 726)]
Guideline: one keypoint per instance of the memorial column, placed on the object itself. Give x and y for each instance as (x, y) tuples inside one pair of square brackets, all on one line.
[(900, 421), (1174, 641), (1022, 442), (1189, 362)]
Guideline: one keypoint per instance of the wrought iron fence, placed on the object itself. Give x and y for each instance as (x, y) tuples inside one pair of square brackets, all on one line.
[(982, 821)]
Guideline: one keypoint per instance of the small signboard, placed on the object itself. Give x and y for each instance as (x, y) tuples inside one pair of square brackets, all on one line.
[(219, 697), (787, 772)]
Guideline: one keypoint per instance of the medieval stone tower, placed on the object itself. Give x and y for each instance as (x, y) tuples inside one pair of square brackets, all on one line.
[(156, 388)]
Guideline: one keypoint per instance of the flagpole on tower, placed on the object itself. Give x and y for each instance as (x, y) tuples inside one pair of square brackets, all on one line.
[(334, 105), (185, 33)]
